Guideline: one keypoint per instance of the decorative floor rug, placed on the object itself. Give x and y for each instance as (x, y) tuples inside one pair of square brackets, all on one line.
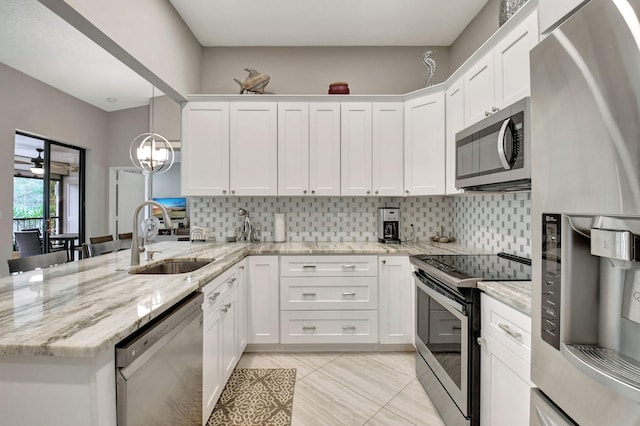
[(256, 397)]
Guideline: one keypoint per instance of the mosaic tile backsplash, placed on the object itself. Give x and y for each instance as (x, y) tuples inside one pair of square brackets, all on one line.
[(488, 221)]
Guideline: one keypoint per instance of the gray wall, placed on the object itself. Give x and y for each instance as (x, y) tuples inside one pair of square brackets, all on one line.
[(31, 106), (477, 32), (310, 70)]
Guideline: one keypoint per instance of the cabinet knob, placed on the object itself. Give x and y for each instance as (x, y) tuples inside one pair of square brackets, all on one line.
[(481, 341), (214, 296), (233, 191), (377, 191), (224, 191), (487, 113), (313, 191), (304, 192), (406, 192), (495, 109), (368, 191), (384, 261)]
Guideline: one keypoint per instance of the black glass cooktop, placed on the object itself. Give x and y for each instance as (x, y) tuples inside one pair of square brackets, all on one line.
[(487, 267)]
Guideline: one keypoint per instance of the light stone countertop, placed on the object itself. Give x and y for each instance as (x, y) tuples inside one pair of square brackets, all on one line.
[(516, 294), (82, 308)]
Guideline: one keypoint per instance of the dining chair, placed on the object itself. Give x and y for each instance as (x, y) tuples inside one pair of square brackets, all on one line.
[(92, 250), (102, 239), (36, 262), (29, 243)]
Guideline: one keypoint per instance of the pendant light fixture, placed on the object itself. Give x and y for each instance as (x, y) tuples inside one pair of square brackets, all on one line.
[(151, 152)]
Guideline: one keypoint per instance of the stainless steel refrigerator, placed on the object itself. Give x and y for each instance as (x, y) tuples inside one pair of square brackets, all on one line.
[(585, 114)]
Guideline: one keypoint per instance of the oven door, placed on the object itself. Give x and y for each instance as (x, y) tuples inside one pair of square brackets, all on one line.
[(442, 337)]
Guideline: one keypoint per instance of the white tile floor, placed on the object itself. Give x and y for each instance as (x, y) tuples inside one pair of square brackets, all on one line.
[(353, 388)]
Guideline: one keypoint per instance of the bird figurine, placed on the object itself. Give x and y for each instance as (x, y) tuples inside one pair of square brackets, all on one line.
[(255, 81), (430, 63)]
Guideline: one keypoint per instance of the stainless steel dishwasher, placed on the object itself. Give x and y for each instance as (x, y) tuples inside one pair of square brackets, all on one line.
[(159, 369)]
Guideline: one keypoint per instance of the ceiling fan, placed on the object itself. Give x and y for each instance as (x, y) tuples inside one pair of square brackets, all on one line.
[(36, 165)]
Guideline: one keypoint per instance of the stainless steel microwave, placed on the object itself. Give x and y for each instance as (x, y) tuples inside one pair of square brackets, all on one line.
[(494, 154)]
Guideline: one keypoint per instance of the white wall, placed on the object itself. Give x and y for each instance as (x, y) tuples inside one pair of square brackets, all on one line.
[(31, 106)]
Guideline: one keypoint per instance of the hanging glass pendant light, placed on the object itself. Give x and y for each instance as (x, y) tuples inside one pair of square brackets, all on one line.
[(151, 152)]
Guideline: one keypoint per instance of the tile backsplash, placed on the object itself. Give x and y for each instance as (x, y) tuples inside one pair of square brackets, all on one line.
[(489, 221)]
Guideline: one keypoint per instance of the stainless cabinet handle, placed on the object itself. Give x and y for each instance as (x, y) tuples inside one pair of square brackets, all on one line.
[(233, 191), (406, 192), (368, 191), (509, 331), (348, 266), (495, 109), (348, 327), (241, 267), (456, 327), (304, 192), (481, 341), (384, 261), (228, 305), (313, 191), (214, 296), (377, 191), (224, 310), (487, 113), (224, 191), (231, 281), (308, 266), (348, 293), (309, 294), (308, 327)]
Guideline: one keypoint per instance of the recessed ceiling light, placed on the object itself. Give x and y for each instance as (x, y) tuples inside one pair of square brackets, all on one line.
[(112, 100)]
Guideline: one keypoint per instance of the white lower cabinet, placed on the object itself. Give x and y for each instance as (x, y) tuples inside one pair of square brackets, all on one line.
[(220, 343), (262, 300), (505, 364), (328, 299), (396, 302)]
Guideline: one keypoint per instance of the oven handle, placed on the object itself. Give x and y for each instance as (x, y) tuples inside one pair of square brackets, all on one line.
[(443, 300)]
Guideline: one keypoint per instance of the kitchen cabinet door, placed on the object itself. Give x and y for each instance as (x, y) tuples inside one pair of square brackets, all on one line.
[(293, 148), (324, 148), (511, 54), (424, 159), (355, 172), (388, 148), (262, 300), (454, 123), (241, 275), (229, 314), (205, 149), (212, 377), (396, 321), (479, 90), (253, 134)]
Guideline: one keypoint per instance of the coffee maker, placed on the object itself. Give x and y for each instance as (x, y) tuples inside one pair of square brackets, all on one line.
[(389, 225)]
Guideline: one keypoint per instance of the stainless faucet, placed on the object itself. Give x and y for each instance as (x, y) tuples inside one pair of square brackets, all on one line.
[(135, 249)]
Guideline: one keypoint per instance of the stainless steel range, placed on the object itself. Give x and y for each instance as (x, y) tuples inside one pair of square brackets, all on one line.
[(448, 326)]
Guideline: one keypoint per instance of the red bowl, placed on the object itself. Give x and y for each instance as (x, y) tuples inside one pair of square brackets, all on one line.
[(339, 88)]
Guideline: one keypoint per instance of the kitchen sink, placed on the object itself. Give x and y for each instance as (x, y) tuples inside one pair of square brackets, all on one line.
[(172, 266)]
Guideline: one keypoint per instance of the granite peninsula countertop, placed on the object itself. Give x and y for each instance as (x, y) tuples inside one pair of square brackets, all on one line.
[(82, 308), (516, 294)]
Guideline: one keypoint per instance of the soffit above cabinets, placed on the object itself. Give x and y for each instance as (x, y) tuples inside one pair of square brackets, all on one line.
[(327, 22)]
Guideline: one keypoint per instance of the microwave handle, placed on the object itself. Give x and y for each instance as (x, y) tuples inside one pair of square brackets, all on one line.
[(503, 158)]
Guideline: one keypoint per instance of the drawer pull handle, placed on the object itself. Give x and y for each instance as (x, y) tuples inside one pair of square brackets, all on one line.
[(456, 327), (509, 331), (348, 327), (309, 294), (481, 341), (348, 266), (225, 309), (348, 293), (308, 327), (231, 281), (308, 266), (214, 296)]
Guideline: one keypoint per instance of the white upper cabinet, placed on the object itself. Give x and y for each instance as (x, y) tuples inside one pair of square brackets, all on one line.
[(253, 148), (512, 81), (388, 152), (424, 141), (324, 148), (205, 149), (356, 148), (454, 123), (501, 76), (293, 148)]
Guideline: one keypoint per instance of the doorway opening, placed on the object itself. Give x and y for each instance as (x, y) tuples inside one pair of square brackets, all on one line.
[(48, 193)]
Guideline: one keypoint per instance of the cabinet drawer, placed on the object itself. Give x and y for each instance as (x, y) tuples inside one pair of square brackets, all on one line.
[(323, 293), (329, 326), (328, 266), (507, 326), (216, 290)]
